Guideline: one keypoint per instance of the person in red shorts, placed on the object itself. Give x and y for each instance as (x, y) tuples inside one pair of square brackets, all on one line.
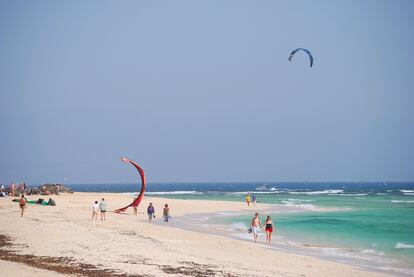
[(269, 229)]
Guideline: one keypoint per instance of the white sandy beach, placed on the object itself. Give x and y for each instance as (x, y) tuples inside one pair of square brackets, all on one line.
[(128, 244)]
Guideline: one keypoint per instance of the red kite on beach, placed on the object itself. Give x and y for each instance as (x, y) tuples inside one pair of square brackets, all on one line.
[(143, 186)]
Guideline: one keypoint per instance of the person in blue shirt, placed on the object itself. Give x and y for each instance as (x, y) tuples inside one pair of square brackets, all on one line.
[(150, 212)]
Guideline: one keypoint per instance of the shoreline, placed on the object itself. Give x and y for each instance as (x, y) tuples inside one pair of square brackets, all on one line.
[(292, 246), (71, 233)]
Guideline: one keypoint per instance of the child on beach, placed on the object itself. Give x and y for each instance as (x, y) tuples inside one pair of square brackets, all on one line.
[(150, 212), (166, 213), (95, 208), (256, 226), (103, 207), (22, 205), (269, 229)]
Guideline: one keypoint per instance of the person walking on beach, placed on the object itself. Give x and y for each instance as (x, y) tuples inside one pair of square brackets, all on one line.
[(135, 207), (22, 205), (95, 208), (269, 229), (150, 212), (248, 199), (166, 213), (254, 200), (256, 226), (103, 207)]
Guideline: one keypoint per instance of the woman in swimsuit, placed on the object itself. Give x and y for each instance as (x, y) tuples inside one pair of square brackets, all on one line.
[(22, 204), (269, 229)]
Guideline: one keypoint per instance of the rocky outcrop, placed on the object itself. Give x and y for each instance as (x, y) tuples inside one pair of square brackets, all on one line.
[(46, 189)]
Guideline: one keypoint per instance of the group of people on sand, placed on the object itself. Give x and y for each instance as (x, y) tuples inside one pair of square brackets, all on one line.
[(165, 213), (251, 199), (13, 189), (102, 207), (256, 227)]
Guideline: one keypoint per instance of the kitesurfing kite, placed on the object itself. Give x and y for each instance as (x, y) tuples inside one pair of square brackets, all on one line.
[(303, 49), (136, 202)]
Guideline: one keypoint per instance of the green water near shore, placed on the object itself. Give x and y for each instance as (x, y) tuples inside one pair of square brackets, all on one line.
[(373, 224)]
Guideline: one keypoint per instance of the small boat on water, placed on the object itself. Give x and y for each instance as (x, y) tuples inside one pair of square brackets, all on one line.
[(263, 187)]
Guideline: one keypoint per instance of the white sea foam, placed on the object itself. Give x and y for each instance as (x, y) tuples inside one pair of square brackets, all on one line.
[(409, 193), (225, 213), (267, 192), (327, 191), (372, 252), (399, 270), (243, 235), (406, 190), (300, 200), (239, 226), (366, 254), (401, 245), (309, 207), (313, 208), (252, 192), (287, 242), (199, 219), (350, 194), (402, 201), (173, 192)]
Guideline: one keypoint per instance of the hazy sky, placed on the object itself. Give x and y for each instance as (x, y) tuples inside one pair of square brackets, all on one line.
[(203, 90)]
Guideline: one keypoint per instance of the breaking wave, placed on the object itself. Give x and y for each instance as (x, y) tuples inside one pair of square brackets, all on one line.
[(173, 192), (327, 191), (400, 245)]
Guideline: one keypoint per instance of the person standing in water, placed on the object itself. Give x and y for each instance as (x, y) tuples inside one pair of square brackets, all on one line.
[(269, 229), (103, 207), (22, 205), (150, 212), (256, 226), (254, 200), (248, 200)]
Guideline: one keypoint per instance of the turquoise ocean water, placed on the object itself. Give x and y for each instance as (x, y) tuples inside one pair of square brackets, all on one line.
[(375, 220)]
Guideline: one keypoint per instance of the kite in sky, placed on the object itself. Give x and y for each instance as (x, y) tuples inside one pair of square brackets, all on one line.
[(305, 50)]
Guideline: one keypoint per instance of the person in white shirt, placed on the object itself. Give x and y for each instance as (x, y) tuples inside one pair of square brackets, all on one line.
[(95, 209)]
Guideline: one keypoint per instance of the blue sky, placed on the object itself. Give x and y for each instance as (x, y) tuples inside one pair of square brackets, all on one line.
[(202, 91)]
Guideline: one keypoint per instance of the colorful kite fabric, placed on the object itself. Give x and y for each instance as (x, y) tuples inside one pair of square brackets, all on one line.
[(136, 202)]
